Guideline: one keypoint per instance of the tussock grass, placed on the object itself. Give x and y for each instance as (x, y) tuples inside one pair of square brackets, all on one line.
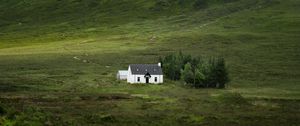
[(46, 85)]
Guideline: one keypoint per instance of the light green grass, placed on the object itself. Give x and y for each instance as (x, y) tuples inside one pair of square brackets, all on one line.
[(39, 40)]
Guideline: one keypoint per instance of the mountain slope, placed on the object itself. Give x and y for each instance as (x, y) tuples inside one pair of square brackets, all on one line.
[(53, 19), (61, 56)]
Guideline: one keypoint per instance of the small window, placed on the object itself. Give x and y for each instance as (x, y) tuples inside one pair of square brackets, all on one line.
[(138, 79), (155, 79)]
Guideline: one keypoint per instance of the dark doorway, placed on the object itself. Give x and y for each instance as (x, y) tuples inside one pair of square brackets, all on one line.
[(147, 80), (147, 77)]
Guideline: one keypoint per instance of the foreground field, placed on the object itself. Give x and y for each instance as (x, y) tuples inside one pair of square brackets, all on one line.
[(62, 71)]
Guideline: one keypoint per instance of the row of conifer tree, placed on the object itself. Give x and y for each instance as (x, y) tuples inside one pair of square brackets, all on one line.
[(197, 72)]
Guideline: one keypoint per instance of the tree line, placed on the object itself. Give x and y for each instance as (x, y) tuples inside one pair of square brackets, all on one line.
[(197, 72)]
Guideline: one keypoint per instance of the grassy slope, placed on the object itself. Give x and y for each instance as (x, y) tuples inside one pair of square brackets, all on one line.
[(39, 40)]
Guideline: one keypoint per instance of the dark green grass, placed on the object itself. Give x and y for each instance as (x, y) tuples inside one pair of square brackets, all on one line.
[(40, 78)]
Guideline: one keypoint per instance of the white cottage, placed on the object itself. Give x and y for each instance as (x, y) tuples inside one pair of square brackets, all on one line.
[(145, 73)]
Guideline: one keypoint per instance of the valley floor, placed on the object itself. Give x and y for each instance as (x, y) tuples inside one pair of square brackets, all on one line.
[(61, 70)]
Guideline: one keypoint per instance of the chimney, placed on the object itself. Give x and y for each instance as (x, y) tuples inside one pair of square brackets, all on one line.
[(159, 64)]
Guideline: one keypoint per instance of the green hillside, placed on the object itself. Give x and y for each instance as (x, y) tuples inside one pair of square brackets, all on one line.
[(58, 60)]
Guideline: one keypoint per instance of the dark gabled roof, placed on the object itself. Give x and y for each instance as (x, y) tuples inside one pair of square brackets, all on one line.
[(142, 69)]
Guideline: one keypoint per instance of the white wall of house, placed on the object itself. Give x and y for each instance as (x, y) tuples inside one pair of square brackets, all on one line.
[(130, 78), (122, 74), (121, 77), (141, 78)]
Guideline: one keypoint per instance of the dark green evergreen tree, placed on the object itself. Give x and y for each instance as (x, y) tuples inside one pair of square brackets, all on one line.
[(199, 78), (187, 74), (221, 73)]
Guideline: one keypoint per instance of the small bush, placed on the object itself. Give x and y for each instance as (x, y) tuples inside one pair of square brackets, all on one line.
[(229, 1), (108, 118), (233, 99), (2, 110), (161, 5), (201, 4), (98, 118)]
